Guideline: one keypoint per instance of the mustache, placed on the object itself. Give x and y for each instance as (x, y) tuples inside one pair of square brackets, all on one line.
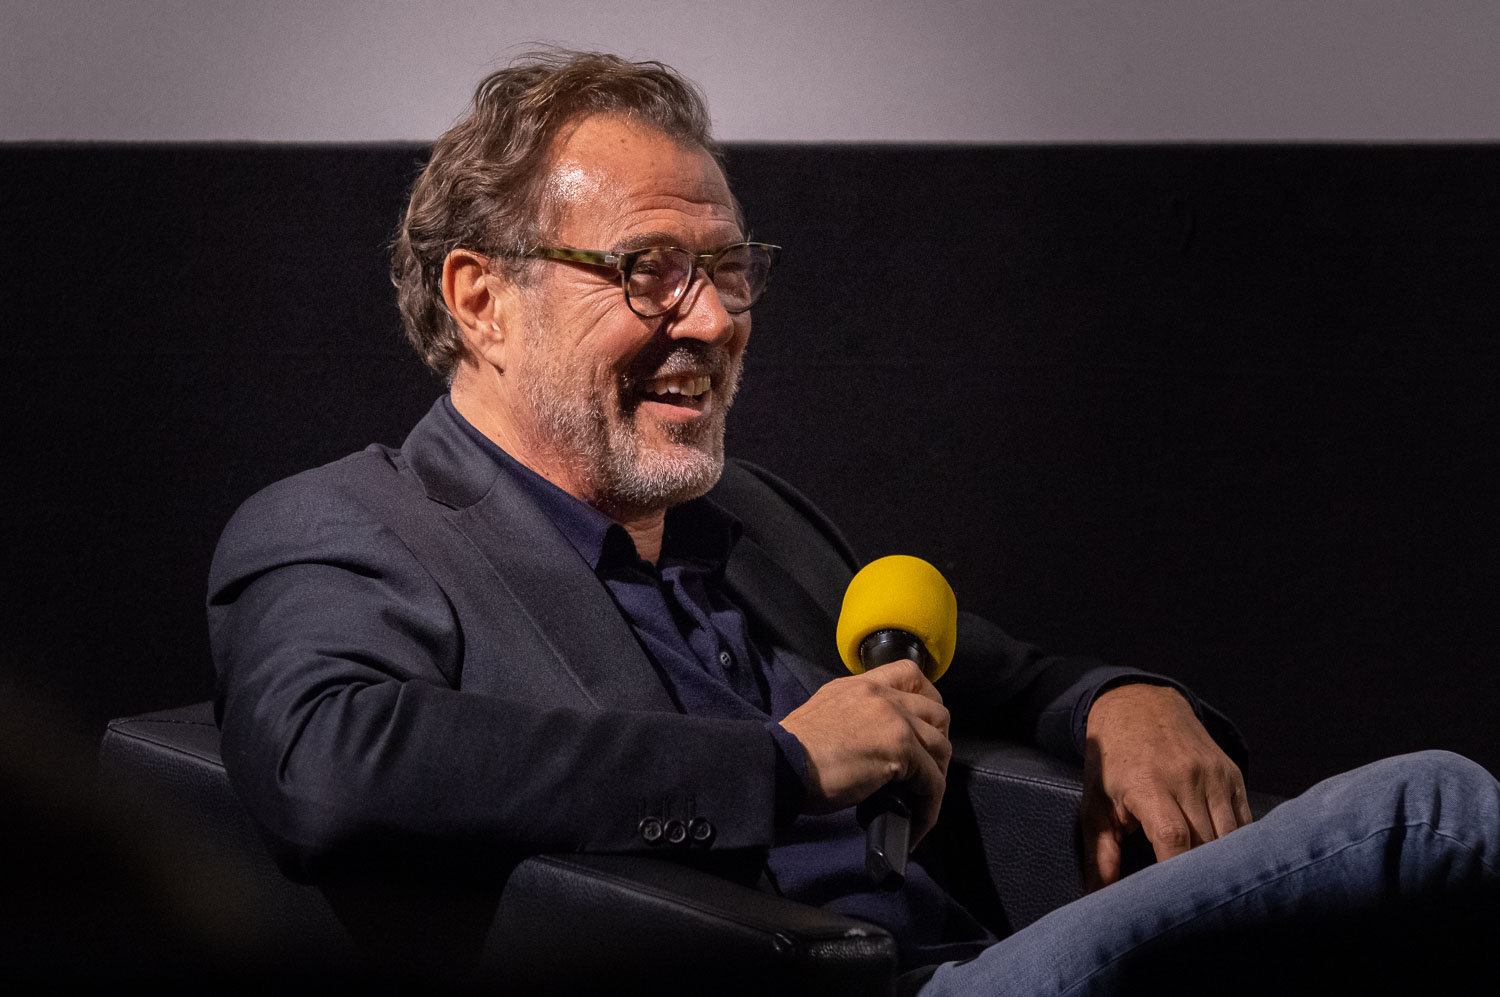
[(678, 357)]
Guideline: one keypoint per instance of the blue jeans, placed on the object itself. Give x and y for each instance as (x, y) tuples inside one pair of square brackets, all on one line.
[(1384, 877)]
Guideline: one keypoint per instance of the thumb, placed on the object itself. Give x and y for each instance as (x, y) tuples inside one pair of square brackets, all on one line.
[(1101, 856)]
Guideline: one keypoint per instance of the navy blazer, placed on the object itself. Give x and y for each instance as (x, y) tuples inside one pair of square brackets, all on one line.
[(410, 656)]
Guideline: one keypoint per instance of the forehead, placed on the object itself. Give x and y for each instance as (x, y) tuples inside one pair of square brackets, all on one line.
[(615, 182)]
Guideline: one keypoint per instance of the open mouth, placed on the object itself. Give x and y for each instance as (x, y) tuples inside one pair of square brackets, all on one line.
[(680, 391)]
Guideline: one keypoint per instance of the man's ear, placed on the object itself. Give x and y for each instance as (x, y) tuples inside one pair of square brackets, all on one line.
[(482, 304)]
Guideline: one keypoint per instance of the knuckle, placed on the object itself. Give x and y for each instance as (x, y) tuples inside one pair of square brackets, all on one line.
[(1175, 835), (868, 694), (903, 674)]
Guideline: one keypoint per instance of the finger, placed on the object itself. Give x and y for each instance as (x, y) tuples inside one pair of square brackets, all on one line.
[(1101, 857), (1224, 797), (1231, 807), (918, 736), (1166, 827), (926, 761), (1103, 824), (1241, 800), (935, 743), (1198, 812), (921, 708), (1225, 809), (1221, 811), (925, 793), (906, 676), (923, 786)]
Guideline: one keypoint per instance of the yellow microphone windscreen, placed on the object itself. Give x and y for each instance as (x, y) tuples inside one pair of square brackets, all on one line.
[(899, 593)]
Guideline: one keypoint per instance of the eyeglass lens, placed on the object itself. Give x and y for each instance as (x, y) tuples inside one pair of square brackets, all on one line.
[(659, 277)]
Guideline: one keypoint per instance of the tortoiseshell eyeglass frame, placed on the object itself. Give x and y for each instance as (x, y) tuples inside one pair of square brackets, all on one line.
[(624, 263)]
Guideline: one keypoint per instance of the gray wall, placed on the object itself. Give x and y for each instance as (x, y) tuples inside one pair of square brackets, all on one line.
[(965, 70)]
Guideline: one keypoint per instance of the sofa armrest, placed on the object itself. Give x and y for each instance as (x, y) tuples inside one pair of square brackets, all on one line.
[(1010, 843), (575, 923), (612, 918), (1016, 848), (162, 780)]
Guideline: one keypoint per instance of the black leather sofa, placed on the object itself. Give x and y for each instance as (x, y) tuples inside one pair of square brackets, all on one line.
[(1008, 844)]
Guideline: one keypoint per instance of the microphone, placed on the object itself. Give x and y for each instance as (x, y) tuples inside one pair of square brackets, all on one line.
[(896, 607)]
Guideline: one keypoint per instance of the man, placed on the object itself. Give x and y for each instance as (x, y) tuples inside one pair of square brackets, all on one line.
[(557, 619)]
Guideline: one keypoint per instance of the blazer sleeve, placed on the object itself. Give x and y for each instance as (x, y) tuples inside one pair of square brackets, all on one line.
[(346, 735), (1001, 685), (997, 684)]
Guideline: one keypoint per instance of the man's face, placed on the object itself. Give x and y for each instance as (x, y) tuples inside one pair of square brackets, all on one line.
[(630, 411)]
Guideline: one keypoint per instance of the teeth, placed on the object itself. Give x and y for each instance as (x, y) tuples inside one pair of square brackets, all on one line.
[(681, 385)]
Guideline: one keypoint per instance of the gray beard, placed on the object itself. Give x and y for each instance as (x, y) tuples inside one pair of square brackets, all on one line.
[(607, 455)]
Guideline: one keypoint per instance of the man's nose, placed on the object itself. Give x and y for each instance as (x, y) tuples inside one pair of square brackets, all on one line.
[(700, 314)]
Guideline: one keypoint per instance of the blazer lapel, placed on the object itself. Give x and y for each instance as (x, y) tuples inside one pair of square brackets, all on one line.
[(769, 593), (567, 603), (535, 567)]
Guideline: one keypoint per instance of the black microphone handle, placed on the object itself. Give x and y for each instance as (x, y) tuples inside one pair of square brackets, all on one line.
[(886, 814), (884, 646)]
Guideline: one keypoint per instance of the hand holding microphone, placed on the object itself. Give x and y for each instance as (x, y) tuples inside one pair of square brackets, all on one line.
[(885, 725)]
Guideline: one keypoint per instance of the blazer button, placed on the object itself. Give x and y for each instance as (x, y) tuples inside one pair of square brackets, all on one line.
[(650, 829), (701, 831), (676, 832)]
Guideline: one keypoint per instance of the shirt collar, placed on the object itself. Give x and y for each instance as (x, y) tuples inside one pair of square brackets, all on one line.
[(698, 531)]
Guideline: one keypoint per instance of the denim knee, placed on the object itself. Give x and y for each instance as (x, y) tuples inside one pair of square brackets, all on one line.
[(1453, 795), (1427, 774)]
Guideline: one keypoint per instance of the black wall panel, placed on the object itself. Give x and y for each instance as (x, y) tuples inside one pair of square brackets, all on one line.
[(1229, 412)]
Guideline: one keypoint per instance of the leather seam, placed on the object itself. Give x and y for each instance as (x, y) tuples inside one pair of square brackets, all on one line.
[(142, 738), (1011, 777), (717, 912)]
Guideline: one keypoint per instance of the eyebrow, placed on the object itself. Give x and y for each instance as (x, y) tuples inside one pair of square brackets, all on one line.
[(658, 240)]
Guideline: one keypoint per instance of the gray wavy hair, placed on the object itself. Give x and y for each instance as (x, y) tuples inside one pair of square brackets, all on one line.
[(485, 185)]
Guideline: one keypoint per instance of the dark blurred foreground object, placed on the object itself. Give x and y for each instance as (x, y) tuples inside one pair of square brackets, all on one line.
[(104, 882)]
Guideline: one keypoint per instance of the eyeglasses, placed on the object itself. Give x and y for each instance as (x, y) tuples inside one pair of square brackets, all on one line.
[(655, 280)]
